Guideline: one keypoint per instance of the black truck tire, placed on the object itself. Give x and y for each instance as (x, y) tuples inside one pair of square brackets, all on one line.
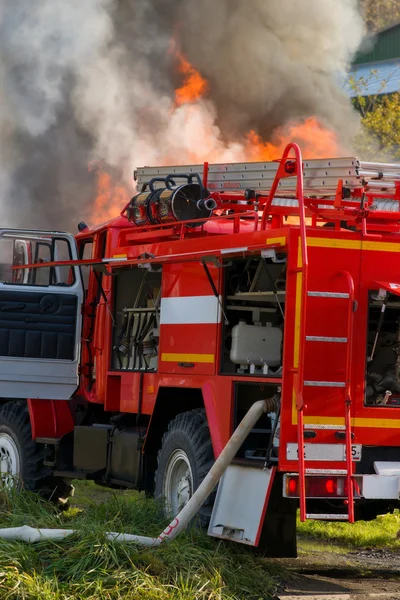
[(185, 457), (21, 459)]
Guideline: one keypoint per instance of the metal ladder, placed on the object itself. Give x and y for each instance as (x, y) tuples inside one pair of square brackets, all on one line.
[(348, 470), (320, 178)]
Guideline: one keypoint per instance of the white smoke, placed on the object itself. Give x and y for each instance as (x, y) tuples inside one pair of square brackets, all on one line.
[(93, 80), (42, 45)]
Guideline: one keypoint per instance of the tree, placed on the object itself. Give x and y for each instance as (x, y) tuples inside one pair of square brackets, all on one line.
[(379, 14), (380, 135), (380, 119)]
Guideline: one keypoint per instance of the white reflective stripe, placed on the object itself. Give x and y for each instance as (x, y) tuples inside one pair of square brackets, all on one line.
[(323, 338), (326, 471), (322, 426), (336, 384), (328, 517), (190, 310), (233, 250)]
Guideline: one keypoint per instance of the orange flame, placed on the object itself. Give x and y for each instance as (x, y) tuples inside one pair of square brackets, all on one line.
[(110, 198), (194, 86), (315, 140)]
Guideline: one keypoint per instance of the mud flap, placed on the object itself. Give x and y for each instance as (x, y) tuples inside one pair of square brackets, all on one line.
[(241, 504), (278, 535)]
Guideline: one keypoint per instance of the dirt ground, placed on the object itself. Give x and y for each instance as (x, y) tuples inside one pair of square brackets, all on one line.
[(323, 572)]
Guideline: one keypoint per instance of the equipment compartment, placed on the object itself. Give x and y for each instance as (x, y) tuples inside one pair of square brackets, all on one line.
[(255, 307), (136, 330)]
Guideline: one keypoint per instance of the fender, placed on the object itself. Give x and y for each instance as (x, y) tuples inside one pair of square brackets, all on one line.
[(215, 395), (50, 418)]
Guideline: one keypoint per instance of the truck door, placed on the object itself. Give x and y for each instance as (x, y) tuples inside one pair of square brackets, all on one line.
[(40, 315)]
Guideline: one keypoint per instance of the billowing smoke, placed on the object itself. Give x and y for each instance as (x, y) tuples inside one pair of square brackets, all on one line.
[(89, 85), (269, 61)]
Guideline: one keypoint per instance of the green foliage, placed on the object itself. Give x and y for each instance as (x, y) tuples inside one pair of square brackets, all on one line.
[(380, 134), (379, 533), (86, 566), (379, 137)]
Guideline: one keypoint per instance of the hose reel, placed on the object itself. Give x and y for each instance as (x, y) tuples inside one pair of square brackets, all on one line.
[(171, 203)]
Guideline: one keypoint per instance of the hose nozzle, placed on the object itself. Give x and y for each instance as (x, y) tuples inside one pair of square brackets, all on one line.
[(206, 203)]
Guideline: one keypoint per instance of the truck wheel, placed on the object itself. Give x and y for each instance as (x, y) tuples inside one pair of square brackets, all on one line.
[(185, 457), (21, 459)]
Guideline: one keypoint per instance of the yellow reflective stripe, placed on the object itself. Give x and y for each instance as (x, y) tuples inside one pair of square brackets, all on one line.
[(199, 358), (353, 244), (381, 246), (334, 243), (380, 423), (279, 240), (297, 314), (294, 408), (355, 421)]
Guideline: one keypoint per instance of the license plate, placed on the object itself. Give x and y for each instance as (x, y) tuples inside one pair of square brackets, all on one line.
[(356, 450), (324, 452)]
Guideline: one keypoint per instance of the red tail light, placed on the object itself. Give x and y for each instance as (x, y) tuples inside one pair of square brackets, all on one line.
[(292, 484), (317, 487)]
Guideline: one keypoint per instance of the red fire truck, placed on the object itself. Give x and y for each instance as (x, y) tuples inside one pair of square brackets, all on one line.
[(130, 353)]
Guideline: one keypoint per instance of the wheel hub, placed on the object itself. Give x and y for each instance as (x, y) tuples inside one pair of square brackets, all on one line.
[(184, 490), (178, 482), (9, 461)]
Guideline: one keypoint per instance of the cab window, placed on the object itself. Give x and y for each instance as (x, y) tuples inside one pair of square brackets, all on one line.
[(19, 250)]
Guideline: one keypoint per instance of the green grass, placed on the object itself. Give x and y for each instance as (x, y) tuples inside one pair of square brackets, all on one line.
[(87, 566), (308, 546), (379, 533)]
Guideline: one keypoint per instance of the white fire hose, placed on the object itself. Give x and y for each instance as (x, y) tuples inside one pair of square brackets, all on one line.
[(31, 534)]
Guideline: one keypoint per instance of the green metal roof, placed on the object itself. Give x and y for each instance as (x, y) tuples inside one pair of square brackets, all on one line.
[(384, 46)]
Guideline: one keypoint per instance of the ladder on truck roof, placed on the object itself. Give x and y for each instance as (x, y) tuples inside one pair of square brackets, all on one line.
[(364, 194), (320, 177)]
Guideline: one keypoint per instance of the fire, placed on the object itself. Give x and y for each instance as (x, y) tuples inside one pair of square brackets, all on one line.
[(110, 198), (315, 140), (194, 86), (193, 114)]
